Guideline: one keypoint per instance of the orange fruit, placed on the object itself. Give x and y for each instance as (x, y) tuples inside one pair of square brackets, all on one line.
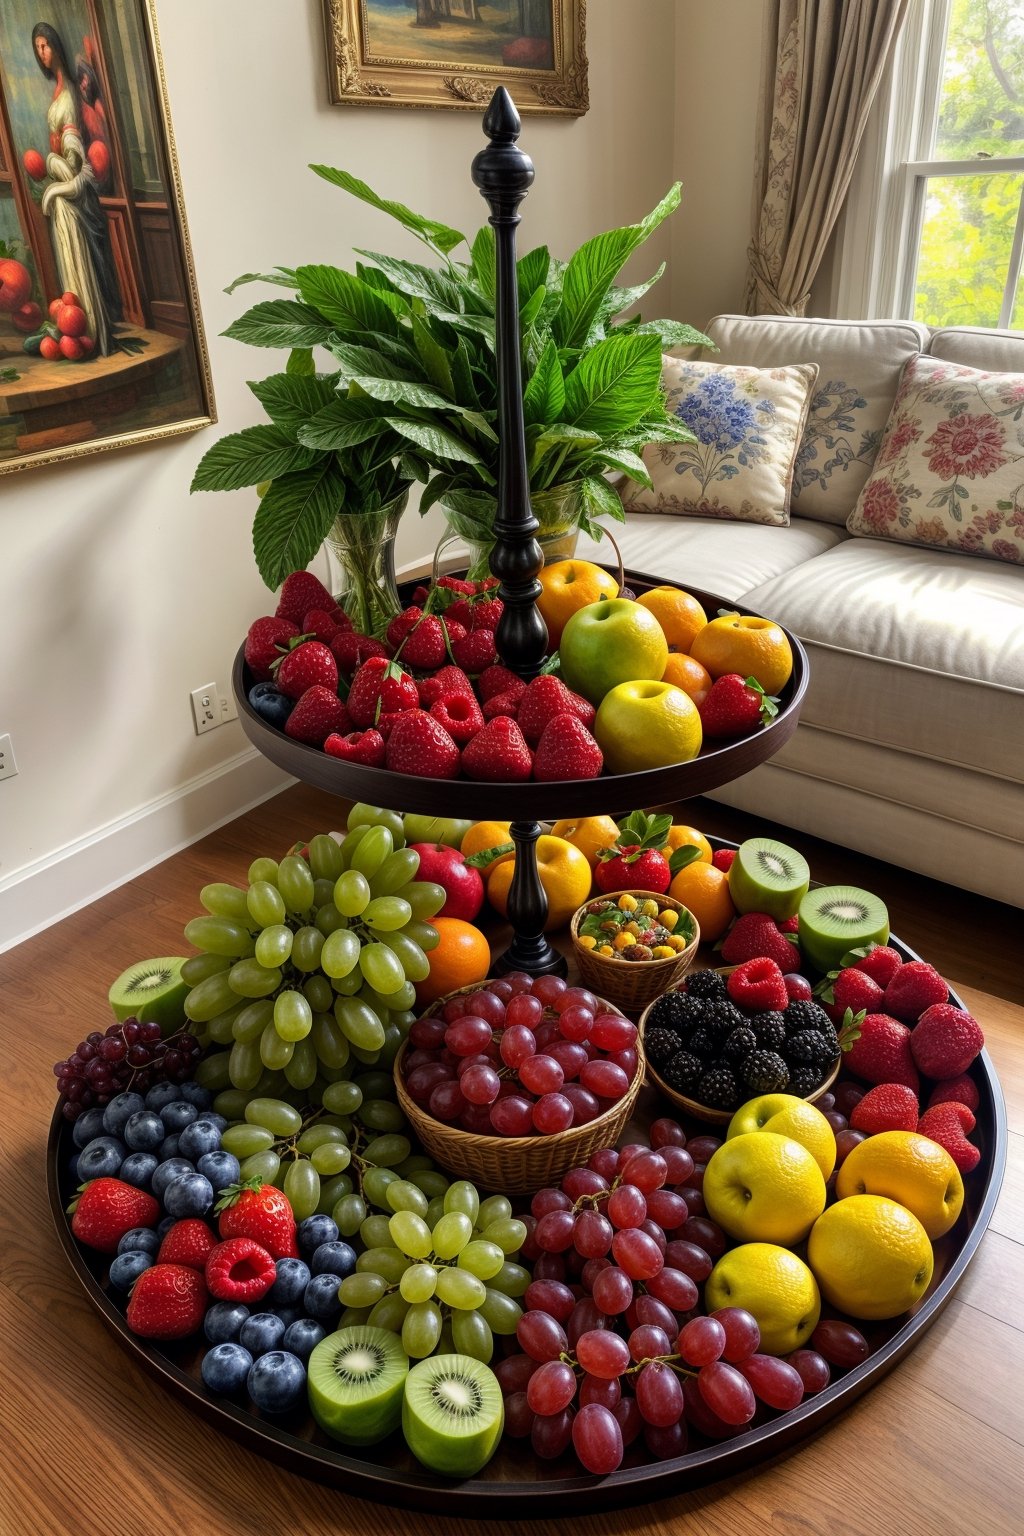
[(687, 674), (564, 874), (588, 833), (753, 647), (705, 891), (462, 957), (679, 614), (680, 836), (567, 586), (487, 834)]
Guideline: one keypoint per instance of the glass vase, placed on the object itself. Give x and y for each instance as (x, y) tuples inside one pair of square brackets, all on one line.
[(557, 510), (363, 543)]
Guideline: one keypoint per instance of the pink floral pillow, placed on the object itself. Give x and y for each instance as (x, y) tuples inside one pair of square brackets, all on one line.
[(950, 471)]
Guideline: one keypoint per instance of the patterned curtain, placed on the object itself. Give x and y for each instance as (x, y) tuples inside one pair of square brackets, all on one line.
[(825, 60)]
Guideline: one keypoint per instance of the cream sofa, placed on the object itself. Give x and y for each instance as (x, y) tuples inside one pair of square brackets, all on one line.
[(911, 741)]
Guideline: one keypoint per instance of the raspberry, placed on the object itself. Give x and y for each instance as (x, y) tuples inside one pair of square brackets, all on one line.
[(765, 1072), (947, 1124), (758, 984), (753, 934), (889, 1107)]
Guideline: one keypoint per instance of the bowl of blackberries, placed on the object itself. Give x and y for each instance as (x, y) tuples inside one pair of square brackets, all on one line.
[(724, 1037)]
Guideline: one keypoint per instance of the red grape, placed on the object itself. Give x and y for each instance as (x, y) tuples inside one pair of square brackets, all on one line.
[(669, 1210), (595, 1389), (654, 1232), (468, 1035), (612, 1032), (541, 1074), (613, 1290), (447, 1101), (701, 1415), (648, 1341), (552, 1297), (585, 1106), (837, 1121), (604, 1161), (626, 1206), (694, 1197), (627, 1060), (648, 1171), (846, 1096), (549, 1266), (583, 1181), (519, 1416), (518, 981), (552, 1388), (514, 1372), (742, 1334), (605, 1079), (666, 1441), (597, 1439), (512, 1116), (636, 1253), (678, 1162), (813, 1369), (501, 990), (667, 1133), (585, 1317), (629, 1419), (701, 1148), (551, 1434), (845, 1143), (576, 1024), (840, 1343), (524, 1010), (659, 1396), (648, 1311), (602, 1353), (706, 1234), (517, 1043), (540, 1336), (701, 1341), (554, 1231), (775, 1383), (727, 1393), (549, 989), (674, 1288), (592, 1234), (453, 1009), (549, 1199), (570, 1057), (688, 1258), (575, 997), (552, 1113)]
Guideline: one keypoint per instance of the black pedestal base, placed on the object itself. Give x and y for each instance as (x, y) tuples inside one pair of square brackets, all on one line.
[(530, 950)]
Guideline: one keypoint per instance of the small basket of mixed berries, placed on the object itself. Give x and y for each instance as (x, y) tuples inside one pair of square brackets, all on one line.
[(631, 946)]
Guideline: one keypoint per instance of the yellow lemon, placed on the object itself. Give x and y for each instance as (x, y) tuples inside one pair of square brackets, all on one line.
[(764, 1188), (588, 833), (910, 1169), (564, 874), (871, 1257), (775, 1286), (809, 1127)]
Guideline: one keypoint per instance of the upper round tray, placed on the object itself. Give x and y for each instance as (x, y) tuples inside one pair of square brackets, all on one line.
[(715, 765)]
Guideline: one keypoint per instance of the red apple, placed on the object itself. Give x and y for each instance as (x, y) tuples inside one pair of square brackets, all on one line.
[(54, 307), (71, 349), (34, 164), (27, 318), (50, 349), (15, 284), (87, 344), (72, 320), (447, 867), (70, 298)]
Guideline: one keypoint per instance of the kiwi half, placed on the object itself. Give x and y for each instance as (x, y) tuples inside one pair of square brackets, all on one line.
[(837, 918), (356, 1377), (152, 990), (452, 1414), (767, 876)]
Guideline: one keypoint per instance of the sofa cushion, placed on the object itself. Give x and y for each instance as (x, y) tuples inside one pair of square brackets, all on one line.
[(1001, 351), (859, 367)]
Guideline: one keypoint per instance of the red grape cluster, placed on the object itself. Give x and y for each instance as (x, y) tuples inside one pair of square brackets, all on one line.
[(521, 1057), (129, 1055)]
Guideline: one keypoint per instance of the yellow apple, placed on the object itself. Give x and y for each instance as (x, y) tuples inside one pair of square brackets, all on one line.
[(646, 724), (588, 833)]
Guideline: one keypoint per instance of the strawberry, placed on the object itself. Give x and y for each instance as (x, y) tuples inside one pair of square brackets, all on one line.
[(878, 1049), (948, 1124), (259, 1211), (913, 988), (422, 640), (567, 750), (483, 613), (635, 858), (322, 625), (265, 643), (168, 1301), (402, 625), (445, 684), (888, 1107), (351, 650), (475, 651), (420, 595), (365, 747), (755, 933), (498, 754), (188, 1242), (318, 713), (499, 680), (850, 988), (310, 665), (501, 704), (460, 715), (380, 687), (239, 1269), (301, 592), (420, 745), (105, 1209), (544, 698), (758, 985), (786, 924), (945, 1040), (956, 1090), (879, 962), (734, 706), (722, 858), (457, 584)]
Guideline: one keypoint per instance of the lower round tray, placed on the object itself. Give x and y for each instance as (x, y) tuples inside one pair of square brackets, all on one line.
[(515, 1484)]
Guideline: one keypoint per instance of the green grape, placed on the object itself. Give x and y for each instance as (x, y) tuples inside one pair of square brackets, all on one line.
[(482, 1259), (397, 870), (317, 992), (432, 1182), (277, 1116), (221, 1030), (446, 1343), (377, 1084), (435, 1210), (404, 1196), (329, 919), (302, 1186), (500, 1312), (342, 1098), (421, 1330), (390, 1313), (231, 1101), (274, 945), (307, 947), (301, 1070), (375, 1184), (340, 952), (511, 1280), (507, 1232), (380, 1114), (329, 1043), (389, 1262), (359, 1024), (212, 1072), (351, 893), (295, 883), (375, 1231), (275, 1052), (383, 1002), (425, 897), (331, 1158), (264, 1166), (382, 968), (387, 1150), (220, 936), (199, 968), (463, 1196), (223, 900), (472, 1335), (494, 1208), (246, 1140), (368, 1058), (411, 1234), (354, 1317), (332, 1190), (210, 997), (266, 904), (350, 844), (452, 1233), (386, 914), (349, 1212), (250, 979), (424, 934), (414, 962), (363, 815), (324, 857), (373, 849), (403, 1019), (320, 1135), (245, 1065), (325, 1074), (293, 1017), (361, 1290), (323, 891), (417, 1282), (253, 1019), (459, 1289), (348, 986), (262, 869)]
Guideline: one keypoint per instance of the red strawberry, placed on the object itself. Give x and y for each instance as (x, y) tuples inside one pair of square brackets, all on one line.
[(420, 595), (948, 1124), (265, 643), (351, 650), (318, 713), (850, 988), (501, 704), (445, 684), (567, 750), (301, 592), (460, 715), (310, 665), (105, 1209), (457, 584), (786, 924), (913, 988), (239, 1269), (324, 626), (380, 687), (544, 698), (387, 722), (168, 1301), (734, 706), (956, 1090), (402, 625), (498, 679), (878, 1049), (498, 754), (420, 745), (880, 963), (755, 933), (634, 868), (945, 1040), (259, 1211), (481, 614), (758, 984), (422, 643), (722, 858), (365, 747), (475, 651), (188, 1242), (889, 1107)]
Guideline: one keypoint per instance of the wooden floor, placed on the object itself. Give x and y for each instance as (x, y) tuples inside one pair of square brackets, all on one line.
[(94, 1447)]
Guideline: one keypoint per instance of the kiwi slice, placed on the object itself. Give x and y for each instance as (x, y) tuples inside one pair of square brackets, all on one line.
[(152, 989), (452, 1414), (767, 876), (836, 918), (356, 1377)]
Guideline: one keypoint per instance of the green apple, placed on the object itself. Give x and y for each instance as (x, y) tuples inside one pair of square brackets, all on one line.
[(755, 1113), (435, 829), (608, 643), (646, 724)]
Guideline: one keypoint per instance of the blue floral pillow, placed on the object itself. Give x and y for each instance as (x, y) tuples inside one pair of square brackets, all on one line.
[(747, 424)]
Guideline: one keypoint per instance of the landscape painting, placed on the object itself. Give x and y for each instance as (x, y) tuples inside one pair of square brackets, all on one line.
[(101, 339), (453, 53)]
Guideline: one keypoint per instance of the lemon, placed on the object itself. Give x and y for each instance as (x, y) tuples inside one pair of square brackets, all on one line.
[(773, 1284), (871, 1257), (809, 1127), (910, 1169), (764, 1188)]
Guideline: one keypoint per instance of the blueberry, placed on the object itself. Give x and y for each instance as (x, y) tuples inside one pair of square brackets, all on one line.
[(218, 1120), (197, 1139), (321, 1298), (290, 1286), (261, 1333), (168, 1148), (163, 1227), (277, 1382), (271, 703), (302, 1337), (220, 1168), (144, 1131), (226, 1368), (88, 1127), (192, 1093), (333, 1259), (138, 1169), (177, 1115), (127, 1267), (101, 1159), (289, 1315), (139, 1240), (161, 1094), (174, 1168), (223, 1322), (314, 1231), (190, 1195), (120, 1110)]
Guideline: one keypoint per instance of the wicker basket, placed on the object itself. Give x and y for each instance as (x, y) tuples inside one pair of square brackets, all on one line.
[(632, 984), (514, 1165)]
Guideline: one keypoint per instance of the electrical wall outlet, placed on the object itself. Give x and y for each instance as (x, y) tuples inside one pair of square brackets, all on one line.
[(228, 708), (8, 767), (206, 708)]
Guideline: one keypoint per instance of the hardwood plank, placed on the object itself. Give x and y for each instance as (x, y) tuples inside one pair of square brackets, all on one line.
[(1008, 1217), (994, 1282)]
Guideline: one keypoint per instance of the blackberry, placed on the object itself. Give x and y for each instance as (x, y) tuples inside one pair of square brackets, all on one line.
[(718, 1089), (725, 1014), (770, 1029), (674, 1010), (739, 1045), (683, 1072), (765, 1072), (808, 1048), (805, 1080), (706, 984), (804, 1014), (661, 1045), (703, 1044)]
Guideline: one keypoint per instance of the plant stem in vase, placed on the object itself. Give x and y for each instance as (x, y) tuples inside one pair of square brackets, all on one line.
[(363, 543)]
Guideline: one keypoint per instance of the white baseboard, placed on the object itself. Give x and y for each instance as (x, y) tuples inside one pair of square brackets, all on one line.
[(79, 873)]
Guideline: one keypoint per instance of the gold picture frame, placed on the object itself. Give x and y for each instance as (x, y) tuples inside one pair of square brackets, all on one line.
[(83, 101), (454, 53)]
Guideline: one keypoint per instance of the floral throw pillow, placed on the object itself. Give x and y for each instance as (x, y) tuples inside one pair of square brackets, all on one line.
[(950, 471), (747, 424)]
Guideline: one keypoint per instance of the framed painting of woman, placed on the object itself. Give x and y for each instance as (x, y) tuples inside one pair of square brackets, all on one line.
[(101, 339)]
